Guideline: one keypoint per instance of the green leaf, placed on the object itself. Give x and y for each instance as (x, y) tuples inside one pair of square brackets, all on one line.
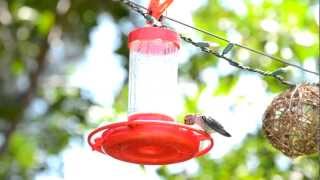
[(274, 85), (23, 149), (45, 22), (226, 84), (121, 101), (197, 63), (17, 67), (54, 139)]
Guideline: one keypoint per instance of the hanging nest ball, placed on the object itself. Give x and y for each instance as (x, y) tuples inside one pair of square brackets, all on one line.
[(291, 123)]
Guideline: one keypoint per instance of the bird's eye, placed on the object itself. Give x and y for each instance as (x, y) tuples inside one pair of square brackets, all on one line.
[(188, 121)]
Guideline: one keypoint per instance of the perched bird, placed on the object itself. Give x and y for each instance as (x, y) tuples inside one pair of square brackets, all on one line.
[(207, 123)]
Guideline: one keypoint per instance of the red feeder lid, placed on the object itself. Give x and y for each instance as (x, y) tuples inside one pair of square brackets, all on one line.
[(148, 139), (152, 33)]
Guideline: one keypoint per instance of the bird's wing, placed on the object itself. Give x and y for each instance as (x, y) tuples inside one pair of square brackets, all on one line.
[(216, 126)]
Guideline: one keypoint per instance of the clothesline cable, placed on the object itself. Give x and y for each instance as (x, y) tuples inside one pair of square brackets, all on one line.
[(205, 47)]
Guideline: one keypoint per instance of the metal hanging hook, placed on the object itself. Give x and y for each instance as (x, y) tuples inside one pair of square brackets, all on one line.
[(156, 8)]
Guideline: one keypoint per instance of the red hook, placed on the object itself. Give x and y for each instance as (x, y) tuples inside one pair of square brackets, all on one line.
[(156, 9)]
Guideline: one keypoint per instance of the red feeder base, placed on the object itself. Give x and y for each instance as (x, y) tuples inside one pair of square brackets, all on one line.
[(152, 139)]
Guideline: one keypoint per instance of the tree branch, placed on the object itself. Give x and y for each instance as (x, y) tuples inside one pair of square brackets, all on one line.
[(28, 95)]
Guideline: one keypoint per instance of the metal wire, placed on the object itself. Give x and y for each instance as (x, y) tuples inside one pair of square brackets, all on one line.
[(202, 45), (236, 64), (226, 40)]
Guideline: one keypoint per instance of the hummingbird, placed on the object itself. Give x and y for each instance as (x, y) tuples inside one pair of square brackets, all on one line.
[(207, 123)]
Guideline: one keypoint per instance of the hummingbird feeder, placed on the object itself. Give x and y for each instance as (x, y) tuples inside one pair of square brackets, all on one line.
[(150, 135)]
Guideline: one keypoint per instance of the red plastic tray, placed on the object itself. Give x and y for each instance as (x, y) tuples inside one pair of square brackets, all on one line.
[(153, 139)]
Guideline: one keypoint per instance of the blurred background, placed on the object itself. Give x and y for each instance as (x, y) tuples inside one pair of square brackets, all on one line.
[(64, 67)]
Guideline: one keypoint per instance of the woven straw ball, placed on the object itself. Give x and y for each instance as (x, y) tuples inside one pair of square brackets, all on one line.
[(291, 122)]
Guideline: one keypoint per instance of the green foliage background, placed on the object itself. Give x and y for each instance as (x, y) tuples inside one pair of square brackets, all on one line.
[(29, 79)]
